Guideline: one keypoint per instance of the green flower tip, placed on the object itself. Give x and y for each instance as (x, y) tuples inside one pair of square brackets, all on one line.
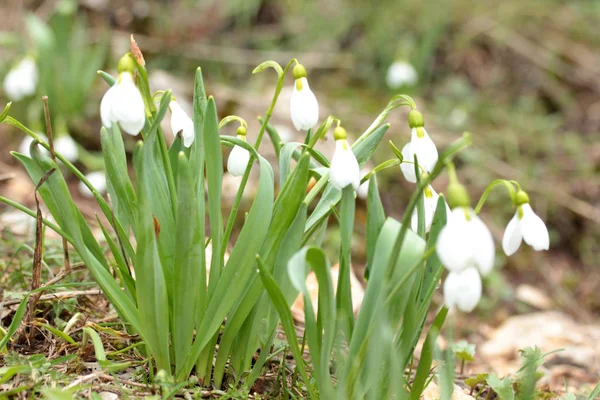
[(126, 64), (241, 130), (299, 71), (458, 196), (416, 119), (521, 198), (339, 133)]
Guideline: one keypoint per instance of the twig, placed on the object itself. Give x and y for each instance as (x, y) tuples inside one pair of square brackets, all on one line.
[(59, 296)]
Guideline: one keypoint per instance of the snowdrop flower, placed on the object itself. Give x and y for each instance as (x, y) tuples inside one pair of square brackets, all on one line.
[(181, 122), (430, 204), (21, 80), (363, 190), (465, 242), (123, 102), (401, 73), (239, 156), (527, 226), (421, 145), (462, 289), (344, 169), (66, 147), (304, 107), (98, 181), (26, 144)]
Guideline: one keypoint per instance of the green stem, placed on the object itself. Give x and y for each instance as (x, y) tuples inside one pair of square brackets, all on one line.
[(493, 184), (428, 253)]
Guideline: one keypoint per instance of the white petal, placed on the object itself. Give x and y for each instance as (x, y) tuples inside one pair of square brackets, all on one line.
[(425, 149), (429, 204), (128, 105), (181, 122), (344, 169), (482, 244), (534, 230), (66, 146), (106, 107), (400, 74), (12, 86), (511, 241), (452, 247), (463, 289), (408, 168), (238, 160), (98, 181), (188, 133), (304, 108)]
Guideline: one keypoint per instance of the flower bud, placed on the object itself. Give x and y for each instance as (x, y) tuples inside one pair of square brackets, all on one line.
[(299, 71), (521, 198), (458, 196), (241, 131), (126, 64), (339, 133)]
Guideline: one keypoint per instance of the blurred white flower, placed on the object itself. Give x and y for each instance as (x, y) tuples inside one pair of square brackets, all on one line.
[(97, 180), (430, 199), (238, 160), (528, 226), (427, 154), (123, 104), (344, 169), (21, 80), (462, 289), (458, 117), (26, 143), (465, 242), (401, 73), (304, 107), (363, 190), (66, 146), (285, 133), (181, 122)]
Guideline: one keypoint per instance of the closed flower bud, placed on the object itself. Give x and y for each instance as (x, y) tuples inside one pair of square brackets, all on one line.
[(304, 108), (462, 289), (527, 226), (427, 154), (239, 157), (123, 104), (181, 122), (465, 242), (344, 169), (21, 81)]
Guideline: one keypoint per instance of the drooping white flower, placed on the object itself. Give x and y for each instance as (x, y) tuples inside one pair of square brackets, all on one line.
[(363, 190), (462, 289), (344, 169), (98, 181), (239, 156), (430, 199), (528, 226), (427, 154), (304, 108), (401, 73), (26, 143), (465, 242), (181, 122), (66, 146), (21, 80), (123, 104)]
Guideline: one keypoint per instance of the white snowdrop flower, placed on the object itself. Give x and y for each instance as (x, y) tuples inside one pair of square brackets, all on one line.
[(462, 289), (465, 242), (123, 102), (21, 80), (344, 169), (98, 181), (430, 199), (401, 73), (26, 143), (285, 133), (181, 122), (363, 190), (304, 108), (66, 146), (239, 156), (527, 226), (421, 145)]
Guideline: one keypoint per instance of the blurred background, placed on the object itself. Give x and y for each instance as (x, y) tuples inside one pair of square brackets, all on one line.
[(523, 77)]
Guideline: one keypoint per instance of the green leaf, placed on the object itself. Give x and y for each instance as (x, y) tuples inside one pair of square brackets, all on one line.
[(107, 78), (375, 221), (503, 388), (14, 324), (58, 333), (594, 395), (343, 298), (97, 342), (464, 350), (268, 64)]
